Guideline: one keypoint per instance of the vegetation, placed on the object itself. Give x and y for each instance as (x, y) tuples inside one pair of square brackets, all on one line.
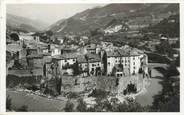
[(98, 93), (169, 26), (81, 105), (69, 106), (169, 99), (23, 108), (103, 105), (72, 95), (8, 103), (165, 48)]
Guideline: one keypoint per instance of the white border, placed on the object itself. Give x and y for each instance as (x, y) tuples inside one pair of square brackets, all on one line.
[(3, 49), (2, 56)]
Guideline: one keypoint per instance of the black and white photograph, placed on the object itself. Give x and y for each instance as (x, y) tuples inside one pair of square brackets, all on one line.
[(93, 57)]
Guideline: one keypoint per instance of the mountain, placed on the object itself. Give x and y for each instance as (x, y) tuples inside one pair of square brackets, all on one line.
[(55, 24), (22, 23), (113, 16)]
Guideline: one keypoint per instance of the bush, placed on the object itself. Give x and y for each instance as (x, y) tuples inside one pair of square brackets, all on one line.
[(51, 92), (72, 95), (98, 93), (31, 87), (81, 106), (8, 103), (69, 107), (23, 108)]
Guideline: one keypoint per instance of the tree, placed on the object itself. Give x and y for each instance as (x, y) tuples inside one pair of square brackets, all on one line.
[(104, 60), (14, 36), (172, 70), (69, 107), (8, 103), (49, 33), (81, 105), (169, 99)]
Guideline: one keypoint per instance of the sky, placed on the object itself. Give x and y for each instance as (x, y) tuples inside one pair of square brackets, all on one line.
[(48, 13)]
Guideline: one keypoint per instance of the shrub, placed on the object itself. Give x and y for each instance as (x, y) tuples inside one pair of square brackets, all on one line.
[(72, 95), (69, 107), (98, 93), (8, 103), (81, 106), (23, 108)]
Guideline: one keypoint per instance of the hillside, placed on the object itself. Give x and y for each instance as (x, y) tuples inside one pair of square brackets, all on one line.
[(168, 26), (21, 23), (134, 15)]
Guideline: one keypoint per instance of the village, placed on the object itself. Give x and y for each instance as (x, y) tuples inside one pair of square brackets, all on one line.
[(56, 69), (122, 66)]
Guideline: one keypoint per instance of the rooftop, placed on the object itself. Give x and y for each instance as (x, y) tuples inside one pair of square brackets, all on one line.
[(66, 56), (124, 52), (35, 56), (13, 47), (113, 53), (93, 57)]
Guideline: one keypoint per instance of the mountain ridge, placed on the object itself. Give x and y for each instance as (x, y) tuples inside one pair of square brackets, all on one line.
[(100, 17), (27, 24)]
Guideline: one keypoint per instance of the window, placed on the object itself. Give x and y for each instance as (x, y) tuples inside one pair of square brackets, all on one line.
[(65, 60), (134, 63), (73, 59), (108, 63), (133, 58), (98, 64), (134, 67), (93, 65)]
